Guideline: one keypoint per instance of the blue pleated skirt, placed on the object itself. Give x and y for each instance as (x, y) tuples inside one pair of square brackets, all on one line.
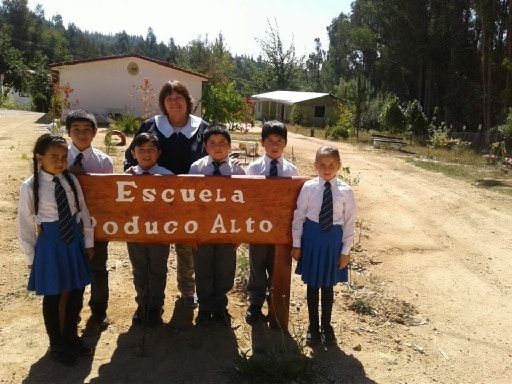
[(59, 266), (320, 251)]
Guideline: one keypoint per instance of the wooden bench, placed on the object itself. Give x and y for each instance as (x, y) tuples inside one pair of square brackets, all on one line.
[(388, 142)]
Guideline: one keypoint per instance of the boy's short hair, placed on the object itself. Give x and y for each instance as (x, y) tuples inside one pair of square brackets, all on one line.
[(80, 115), (143, 138), (274, 127), (217, 129)]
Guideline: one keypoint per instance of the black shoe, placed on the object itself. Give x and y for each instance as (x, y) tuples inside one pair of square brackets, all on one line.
[(100, 319), (254, 314), (312, 335), (78, 348), (328, 334), (204, 318), (222, 317), (63, 355), (189, 299)]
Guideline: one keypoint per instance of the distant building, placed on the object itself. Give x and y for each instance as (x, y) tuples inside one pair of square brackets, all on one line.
[(316, 109), (110, 85), (22, 99)]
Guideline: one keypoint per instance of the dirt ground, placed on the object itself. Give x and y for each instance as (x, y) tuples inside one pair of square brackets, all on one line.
[(431, 278)]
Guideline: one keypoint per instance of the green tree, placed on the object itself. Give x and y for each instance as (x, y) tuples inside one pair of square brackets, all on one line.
[(392, 117), (416, 120), (222, 104), (284, 66), (12, 64), (314, 66), (357, 93), (40, 84)]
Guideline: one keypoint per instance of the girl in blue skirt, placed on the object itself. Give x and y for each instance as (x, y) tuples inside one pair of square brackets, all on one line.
[(323, 234), (57, 236)]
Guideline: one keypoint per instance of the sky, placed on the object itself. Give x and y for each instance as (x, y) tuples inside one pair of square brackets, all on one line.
[(239, 21)]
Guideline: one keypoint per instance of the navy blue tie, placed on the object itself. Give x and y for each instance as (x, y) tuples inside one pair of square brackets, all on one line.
[(216, 167), (273, 168), (67, 233), (78, 159), (326, 212)]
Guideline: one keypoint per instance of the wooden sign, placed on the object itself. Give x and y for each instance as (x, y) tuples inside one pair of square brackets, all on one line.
[(201, 209), (192, 208)]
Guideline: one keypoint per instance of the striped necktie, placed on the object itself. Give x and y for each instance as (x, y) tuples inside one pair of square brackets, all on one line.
[(326, 213), (66, 229), (78, 159), (273, 168)]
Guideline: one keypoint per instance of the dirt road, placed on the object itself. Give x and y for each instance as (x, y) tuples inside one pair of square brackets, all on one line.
[(433, 259)]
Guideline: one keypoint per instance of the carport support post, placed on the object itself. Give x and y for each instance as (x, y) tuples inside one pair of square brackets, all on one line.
[(279, 308)]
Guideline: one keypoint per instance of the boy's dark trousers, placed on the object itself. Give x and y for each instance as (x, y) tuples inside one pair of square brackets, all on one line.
[(185, 268), (261, 259), (67, 333), (98, 301), (149, 263), (215, 266)]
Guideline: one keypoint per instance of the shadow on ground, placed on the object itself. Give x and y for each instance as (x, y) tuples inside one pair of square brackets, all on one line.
[(180, 352)]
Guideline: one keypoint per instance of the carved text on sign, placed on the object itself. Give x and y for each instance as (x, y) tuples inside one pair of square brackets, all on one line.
[(198, 209)]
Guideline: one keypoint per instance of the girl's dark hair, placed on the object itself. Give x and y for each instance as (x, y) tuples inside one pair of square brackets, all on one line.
[(174, 86), (274, 127), (216, 130), (43, 143), (327, 150)]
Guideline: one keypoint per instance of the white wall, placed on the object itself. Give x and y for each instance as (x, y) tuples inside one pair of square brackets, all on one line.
[(22, 101), (104, 86)]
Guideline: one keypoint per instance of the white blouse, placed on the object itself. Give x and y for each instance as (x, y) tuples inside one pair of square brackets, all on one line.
[(309, 203), (27, 219), (166, 129)]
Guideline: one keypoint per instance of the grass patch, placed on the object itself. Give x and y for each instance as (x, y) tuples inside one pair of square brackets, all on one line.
[(273, 367), (362, 306), (497, 178)]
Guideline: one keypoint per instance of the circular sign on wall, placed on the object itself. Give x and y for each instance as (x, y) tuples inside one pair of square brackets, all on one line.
[(132, 68)]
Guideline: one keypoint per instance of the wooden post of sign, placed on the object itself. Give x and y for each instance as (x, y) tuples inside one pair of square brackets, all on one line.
[(278, 312)]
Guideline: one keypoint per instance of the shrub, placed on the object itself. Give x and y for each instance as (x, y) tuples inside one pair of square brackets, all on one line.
[(438, 138), (127, 124), (343, 126), (336, 132), (506, 131), (7, 103), (417, 122), (296, 116), (392, 117)]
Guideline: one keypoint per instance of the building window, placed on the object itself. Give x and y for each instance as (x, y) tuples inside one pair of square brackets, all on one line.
[(319, 111)]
